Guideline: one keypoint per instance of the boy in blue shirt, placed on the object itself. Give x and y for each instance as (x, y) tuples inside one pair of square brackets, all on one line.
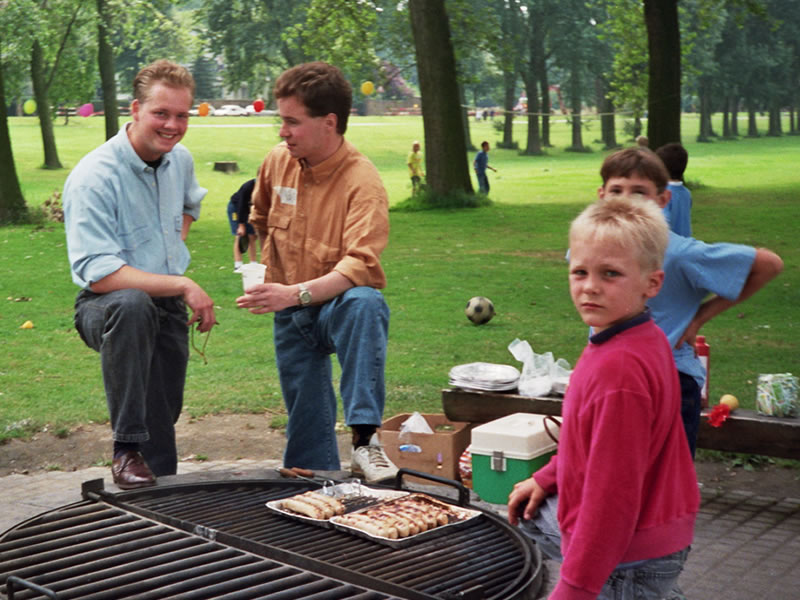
[(678, 210), (701, 280)]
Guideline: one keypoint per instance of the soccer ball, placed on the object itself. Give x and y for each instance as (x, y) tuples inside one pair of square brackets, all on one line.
[(479, 310)]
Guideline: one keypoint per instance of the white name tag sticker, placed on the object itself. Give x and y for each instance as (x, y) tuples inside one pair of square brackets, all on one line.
[(286, 194)]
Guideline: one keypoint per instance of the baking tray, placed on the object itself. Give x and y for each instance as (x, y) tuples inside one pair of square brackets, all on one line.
[(353, 495), (458, 517)]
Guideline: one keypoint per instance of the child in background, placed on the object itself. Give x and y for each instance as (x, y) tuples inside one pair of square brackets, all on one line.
[(679, 208), (238, 214), (701, 280), (617, 503)]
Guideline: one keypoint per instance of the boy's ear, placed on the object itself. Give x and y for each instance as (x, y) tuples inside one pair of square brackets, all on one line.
[(663, 198), (601, 191), (654, 282)]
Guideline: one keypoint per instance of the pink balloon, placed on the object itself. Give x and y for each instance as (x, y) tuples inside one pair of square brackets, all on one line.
[(86, 110), (258, 105)]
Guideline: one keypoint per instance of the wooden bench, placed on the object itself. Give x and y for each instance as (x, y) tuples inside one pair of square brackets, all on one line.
[(743, 431)]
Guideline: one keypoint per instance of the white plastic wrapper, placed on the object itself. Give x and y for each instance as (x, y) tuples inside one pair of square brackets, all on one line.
[(541, 374)]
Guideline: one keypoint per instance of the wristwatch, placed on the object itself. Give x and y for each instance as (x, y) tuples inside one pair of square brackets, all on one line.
[(304, 295)]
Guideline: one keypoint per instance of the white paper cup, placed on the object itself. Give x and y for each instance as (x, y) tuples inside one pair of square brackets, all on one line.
[(253, 274)]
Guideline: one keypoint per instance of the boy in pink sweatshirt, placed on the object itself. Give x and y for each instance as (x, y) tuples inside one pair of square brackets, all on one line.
[(617, 503)]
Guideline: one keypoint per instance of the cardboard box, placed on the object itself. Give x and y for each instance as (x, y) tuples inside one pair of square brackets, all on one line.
[(440, 450), (508, 450)]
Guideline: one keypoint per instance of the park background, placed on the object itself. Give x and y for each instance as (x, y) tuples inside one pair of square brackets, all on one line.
[(511, 251)]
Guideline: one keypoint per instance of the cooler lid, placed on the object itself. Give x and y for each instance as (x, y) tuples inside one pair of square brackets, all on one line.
[(519, 435)]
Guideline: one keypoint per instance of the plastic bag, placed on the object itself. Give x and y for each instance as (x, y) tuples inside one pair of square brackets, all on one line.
[(776, 395), (541, 374), (416, 423)]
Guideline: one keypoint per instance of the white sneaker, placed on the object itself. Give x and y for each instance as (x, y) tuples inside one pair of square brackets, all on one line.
[(371, 462), (238, 269)]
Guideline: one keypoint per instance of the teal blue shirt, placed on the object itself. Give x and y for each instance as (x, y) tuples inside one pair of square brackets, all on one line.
[(120, 211)]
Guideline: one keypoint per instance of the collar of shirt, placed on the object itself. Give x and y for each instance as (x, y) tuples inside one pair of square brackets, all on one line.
[(607, 334)]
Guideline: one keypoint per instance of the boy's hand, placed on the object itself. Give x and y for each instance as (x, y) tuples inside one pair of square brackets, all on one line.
[(524, 500)]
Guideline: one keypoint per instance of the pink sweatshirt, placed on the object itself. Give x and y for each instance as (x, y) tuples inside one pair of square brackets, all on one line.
[(624, 474)]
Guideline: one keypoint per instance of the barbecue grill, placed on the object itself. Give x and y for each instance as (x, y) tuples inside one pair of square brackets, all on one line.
[(217, 539)]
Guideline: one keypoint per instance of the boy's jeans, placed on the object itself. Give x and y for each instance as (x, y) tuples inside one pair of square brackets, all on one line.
[(355, 326), (653, 579), (144, 349)]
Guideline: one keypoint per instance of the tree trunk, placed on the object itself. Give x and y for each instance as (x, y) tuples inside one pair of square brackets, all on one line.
[(775, 129), (535, 48), (664, 87), (545, 107), (105, 62), (12, 202), (735, 116), (43, 103), (605, 106), (752, 127), (726, 124), (576, 97), (704, 135), (446, 161), (509, 81), (462, 102)]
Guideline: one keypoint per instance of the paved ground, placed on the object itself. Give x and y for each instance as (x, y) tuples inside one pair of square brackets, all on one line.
[(747, 546)]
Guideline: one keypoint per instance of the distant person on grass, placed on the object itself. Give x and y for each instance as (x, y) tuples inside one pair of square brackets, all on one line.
[(480, 164), (701, 280), (414, 162), (244, 235), (679, 208), (128, 207), (323, 213), (617, 503)]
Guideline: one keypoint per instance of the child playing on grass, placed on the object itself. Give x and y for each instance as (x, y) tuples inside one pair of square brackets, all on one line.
[(617, 503), (679, 208), (245, 235), (701, 280)]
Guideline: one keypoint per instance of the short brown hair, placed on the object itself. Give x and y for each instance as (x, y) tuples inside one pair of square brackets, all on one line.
[(636, 161), (321, 88), (165, 71), (675, 158)]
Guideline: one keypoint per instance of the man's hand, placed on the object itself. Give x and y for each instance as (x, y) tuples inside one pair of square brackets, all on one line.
[(202, 307), (524, 500), (268, 297), (241, 230)]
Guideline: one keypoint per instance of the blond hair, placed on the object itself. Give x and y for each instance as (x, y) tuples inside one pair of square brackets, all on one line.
[(164, 71), (635, 224)]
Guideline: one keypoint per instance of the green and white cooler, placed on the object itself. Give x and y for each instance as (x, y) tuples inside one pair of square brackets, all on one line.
[(508, 450)]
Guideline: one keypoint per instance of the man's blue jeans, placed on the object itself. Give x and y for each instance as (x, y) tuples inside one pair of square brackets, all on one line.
[(652, 579), (354, 326), (144, 349)]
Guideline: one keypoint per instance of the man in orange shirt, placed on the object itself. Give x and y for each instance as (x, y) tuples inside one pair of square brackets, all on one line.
[(321, 211)]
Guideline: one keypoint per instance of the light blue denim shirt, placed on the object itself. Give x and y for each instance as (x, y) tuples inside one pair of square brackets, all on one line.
[(120, 211)]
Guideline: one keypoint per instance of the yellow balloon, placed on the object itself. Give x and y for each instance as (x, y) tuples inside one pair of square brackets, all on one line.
[(27, 325), (29, 107), (367, 88)]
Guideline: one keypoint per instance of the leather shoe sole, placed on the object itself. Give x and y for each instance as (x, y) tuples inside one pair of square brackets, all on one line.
[(130, 471)]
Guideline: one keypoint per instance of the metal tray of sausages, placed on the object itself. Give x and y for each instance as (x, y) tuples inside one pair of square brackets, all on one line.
[(352, 495), (375, 522)]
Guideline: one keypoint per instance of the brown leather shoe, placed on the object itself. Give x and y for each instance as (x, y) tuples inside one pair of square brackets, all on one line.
[(130, 471)]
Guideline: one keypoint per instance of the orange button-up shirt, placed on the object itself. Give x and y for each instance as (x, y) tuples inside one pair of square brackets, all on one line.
[(331, 217)]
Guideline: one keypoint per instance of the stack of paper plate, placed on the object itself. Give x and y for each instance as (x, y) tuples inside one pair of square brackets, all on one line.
[(483, 376)]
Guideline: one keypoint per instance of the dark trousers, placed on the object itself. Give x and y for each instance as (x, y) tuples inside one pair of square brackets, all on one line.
[(144, 349), (690, 409)]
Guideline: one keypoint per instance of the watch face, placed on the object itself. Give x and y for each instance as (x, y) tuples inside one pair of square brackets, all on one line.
[(305, 297)]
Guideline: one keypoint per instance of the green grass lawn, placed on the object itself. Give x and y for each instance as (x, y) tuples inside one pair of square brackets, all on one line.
[(745, 191)]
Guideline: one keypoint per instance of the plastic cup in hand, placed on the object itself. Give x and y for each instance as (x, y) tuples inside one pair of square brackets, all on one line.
[(253, 274)]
